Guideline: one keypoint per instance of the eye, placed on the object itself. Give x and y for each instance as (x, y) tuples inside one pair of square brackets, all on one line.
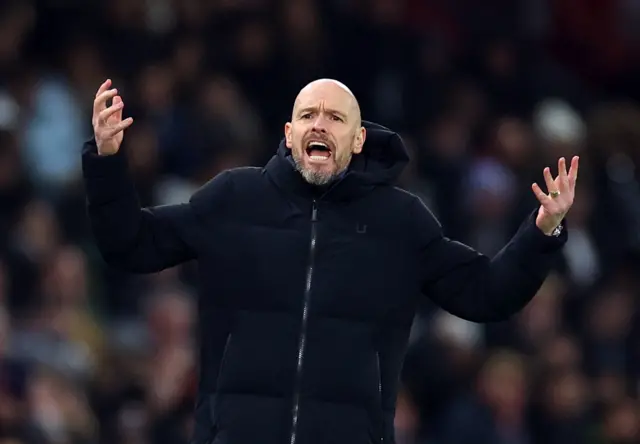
[(336, 118), (306, 116)]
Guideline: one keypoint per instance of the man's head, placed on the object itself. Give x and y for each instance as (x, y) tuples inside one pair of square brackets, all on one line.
[(325, 130)]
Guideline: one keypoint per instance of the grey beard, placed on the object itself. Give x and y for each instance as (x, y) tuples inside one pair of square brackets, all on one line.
[(316, 178)]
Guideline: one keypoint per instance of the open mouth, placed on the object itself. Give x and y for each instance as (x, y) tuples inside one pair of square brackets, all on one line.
[(318, 151)]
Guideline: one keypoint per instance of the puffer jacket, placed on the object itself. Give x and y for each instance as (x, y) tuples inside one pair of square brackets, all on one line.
[(307, 294)]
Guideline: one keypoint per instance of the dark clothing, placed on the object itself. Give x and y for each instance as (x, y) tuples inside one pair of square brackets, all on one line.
[(306, 295)]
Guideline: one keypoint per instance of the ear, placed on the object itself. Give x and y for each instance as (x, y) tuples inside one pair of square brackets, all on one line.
[(361, 136), (288, 137)]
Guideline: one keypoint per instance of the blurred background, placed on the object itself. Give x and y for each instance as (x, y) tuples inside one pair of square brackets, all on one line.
[(485, 94)]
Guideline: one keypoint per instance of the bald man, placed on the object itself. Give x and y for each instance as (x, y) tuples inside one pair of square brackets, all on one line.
[(311, 269), (320, 156)]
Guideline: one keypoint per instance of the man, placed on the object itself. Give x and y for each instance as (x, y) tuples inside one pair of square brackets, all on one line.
[(311, 269)]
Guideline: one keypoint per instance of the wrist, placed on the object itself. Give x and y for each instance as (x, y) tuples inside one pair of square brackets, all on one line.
[(555, 231), (105, 152)]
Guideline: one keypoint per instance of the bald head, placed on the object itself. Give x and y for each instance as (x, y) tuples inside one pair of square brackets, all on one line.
[(325, 130), (334, 88)]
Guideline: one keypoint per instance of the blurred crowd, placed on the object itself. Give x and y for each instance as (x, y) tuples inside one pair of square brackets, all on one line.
[(484, 93)]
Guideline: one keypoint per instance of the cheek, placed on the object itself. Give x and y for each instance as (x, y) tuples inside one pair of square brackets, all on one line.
[(346, 146), (296, 139)]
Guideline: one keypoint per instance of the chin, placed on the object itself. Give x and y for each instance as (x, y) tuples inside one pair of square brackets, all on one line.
[(328, 168), (317, 179), (316, 171), (317, 175)]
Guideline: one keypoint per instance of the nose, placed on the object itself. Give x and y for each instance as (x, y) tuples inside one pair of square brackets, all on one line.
[(319, 124)]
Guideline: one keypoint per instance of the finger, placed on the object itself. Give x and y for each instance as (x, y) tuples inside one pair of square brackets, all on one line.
[(100, 103), (103, 87), (110, 111), (121, 126), (548, 179), (573, 171), (117, 100), (540, 195), (562, 175)]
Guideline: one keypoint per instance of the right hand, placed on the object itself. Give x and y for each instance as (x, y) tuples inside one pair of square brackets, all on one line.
[(108, 126)]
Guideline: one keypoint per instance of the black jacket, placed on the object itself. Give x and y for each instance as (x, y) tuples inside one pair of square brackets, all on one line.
[(307, 295)]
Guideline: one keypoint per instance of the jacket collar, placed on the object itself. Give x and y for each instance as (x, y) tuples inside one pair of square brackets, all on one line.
[(283, 172), (382, 160)]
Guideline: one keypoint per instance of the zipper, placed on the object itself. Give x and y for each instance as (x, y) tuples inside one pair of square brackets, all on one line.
[(213, 401), (380, 395), (303, 329), (223, 360)]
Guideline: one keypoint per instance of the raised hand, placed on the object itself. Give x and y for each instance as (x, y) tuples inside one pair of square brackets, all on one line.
[(108, 126), (555, 205)]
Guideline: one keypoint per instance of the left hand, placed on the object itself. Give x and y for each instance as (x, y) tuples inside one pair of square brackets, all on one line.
[(555, 205)]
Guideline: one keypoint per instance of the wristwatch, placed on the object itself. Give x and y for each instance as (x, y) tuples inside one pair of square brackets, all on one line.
[(557, 230)]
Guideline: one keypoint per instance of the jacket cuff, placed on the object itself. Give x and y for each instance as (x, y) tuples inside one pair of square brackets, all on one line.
[(536, 240), (106, 177), (94, 164)]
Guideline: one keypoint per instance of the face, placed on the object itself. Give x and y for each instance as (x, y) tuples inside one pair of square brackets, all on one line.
[(324, 132)]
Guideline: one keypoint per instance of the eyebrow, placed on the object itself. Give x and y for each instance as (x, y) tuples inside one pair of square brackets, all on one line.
[(328, 110)]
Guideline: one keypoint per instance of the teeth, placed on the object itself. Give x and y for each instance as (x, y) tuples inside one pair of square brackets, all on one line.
[(318, 144), (318, 158)]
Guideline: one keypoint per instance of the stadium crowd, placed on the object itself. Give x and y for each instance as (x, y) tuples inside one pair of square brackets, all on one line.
[(485, 94)]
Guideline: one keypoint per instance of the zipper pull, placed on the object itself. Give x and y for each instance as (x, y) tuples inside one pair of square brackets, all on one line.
[(314, 212)]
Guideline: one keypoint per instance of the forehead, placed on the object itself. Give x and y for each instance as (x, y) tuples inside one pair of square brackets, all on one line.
[(325, 96)]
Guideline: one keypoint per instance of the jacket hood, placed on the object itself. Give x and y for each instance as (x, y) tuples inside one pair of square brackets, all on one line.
[(383, 157)]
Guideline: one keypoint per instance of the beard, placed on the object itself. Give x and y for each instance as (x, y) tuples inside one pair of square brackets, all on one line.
[(318, 177)]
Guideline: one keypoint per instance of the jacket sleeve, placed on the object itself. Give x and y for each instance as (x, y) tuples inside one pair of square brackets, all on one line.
[(131, 238), (478, 288)]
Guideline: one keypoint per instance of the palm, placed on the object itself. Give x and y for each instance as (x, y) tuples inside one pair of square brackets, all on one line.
[(545, 218), (544, 214)]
